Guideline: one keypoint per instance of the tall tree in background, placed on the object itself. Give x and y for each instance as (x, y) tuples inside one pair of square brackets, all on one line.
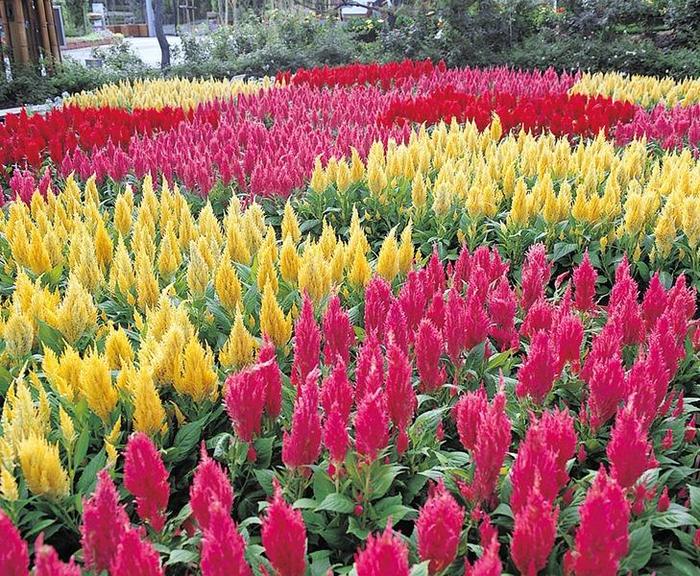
[(160, 34)]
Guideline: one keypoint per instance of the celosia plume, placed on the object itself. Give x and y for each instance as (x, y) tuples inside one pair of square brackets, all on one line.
[(302, 445), (383, 554), (284, 537), (14, 557), (372, 425), (400, 395), (210, 486), (307, 343), (223, 547), (135, 555), (146, 478), (534, 533)]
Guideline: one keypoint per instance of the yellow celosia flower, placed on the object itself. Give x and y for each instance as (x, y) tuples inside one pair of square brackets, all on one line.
[(18, 333), (197, 273), (103, 246), (67, 428), (289, 260), (376, 178), (38, 254), (406, 251), (388, 259), (122, 212), (149, 414), (357, 168), (169, 256), (314, 273), (96, 385), (290, 224), (343, 177), (272, 320), (239, 349), (146, 282), (227, 285), (266, 274), (8, 485), (77, 313), (41, 467), (319, 179), (118, 349), (360, 271), (419, 194), (63, 375), (664, 233), (198, 379)]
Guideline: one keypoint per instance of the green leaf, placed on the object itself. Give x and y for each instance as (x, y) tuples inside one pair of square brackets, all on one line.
[(640, 548), (674, 517), (264, 478), (694, 501), (562, 249), (186, 439), (683, 564), (88, 478), (337, 503), (382, 480), (323, 485), (181, 556), (305, 504), (81, 446), (420, 569), (50, 337)]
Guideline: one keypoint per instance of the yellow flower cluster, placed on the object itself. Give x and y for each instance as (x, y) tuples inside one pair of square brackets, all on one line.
[(644, 90), (159, 93), (520, 178)]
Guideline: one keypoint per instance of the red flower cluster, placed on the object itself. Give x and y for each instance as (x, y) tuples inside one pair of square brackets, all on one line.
[(560, 114)]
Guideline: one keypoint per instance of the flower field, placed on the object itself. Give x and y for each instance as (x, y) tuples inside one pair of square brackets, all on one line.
[(371, 320)]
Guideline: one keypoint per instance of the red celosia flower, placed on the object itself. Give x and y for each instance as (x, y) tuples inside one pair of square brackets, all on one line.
[(337, 332), (438, 529), (383, 554), (209, 486), (372, 425), (585, 277), (337, 391), (284, 537), (400, 395), (223, 547), (269, 372), (369, 371), (664, 502), (667, 441), (146, 478), (489, 564), (467, 413), (602, 537), (378, 298), (135, 555), (14, 556), (428, 349), (533, 534), (307, 343), (503, 305), (690, 430), (104, 524), (535, 275), (302, 446), (335, 435), (539, 370), (47, 562)]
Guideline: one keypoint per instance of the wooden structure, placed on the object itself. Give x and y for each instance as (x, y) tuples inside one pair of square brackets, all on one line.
[(29, 32)]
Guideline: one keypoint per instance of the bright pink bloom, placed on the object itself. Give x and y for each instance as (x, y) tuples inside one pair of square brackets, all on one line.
[(628, 315), (378, 298), (477, 322), (654, 301), (337, 332), (104, 524), (629, 451), (369, 371), (539, 318), (302, 446), (690, 430), (245, 395), (585, 277), (335, 435), (135, 555), (489, 564), (534, 533), (434, 275), (557, 428), (400, 395), (667, 441), (428, 349), (395, 326), (14, 556), (664, 502), (438, 528), (467, 413), (372, 425), (146, 478), (492, 442), (47, 562), (437, 311), (455, 326), (503, 304), (606, 390), (210, 486), (535, 275), (337, 392), (569, 338), (413, 299), (383, 554), (284, 537), (223, 547), (307, 343), (539, 370), (602, 537), (269, 372)]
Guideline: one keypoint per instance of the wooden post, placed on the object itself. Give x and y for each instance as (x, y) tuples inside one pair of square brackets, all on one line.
[(42, 23), (18, 34), (53, 36)]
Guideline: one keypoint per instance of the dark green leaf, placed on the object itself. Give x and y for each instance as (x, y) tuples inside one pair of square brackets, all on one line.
[(337, 503)]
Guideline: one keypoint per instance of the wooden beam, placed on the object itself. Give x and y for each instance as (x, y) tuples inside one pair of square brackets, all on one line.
[(18, 34), (53, 36), (43, 26)]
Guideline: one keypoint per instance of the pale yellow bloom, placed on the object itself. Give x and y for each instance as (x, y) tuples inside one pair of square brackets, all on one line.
[(290, 224), (149, 414), (96, 385), (18, 333), (118, 349), (239, 349), (198, 379), (273, 323), (41, 467), (227, 285), (388, 259), (77, 313)]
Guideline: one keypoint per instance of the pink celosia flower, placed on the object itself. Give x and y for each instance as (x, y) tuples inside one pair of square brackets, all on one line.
[(664, 502), (667, 441), (455, 325), (534, 466), (337, 332), (640, 495), (337, 392), (307, 343), (382, 555), (104, 524), (395, 326), (690, 430), (489, 564), (602, 537), (477, 322), (335, 435), (533, 534), (135, 555), (372, 425), (654, 301), (438, 528), (245, 396), (557, 428), (584, 284), (629, 451), (269, 372), (539, 370), (535, 275), (223, 547), (284, 537), (569, 338), (378, 298), (428, 349), (503, 304), (467, 413), (47, 562), (14, 556), (413, 300), (539, 318), (369, 371), (146, 478), (400, 395), (606, 390), (434, 275), (209, 486), (628, 315), (302, 446), (437, 311)]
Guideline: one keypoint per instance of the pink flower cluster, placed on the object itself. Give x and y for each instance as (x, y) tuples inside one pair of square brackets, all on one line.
[(672, 128)]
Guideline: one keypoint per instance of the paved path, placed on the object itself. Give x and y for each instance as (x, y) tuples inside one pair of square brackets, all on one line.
[(146, 48)]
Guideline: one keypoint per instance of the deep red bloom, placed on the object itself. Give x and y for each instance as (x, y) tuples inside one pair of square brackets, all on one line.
[(438, 528), (372, 425), (14, 556), (135, 555), (302, 446), (428, 349), (602, 537), (337, 332), (533, 534), (210, 486), (146, 478), (400, 395), (585, 277), (284, 537), (104, 523), (307, 343), (223, 547), (383, 554), (539, 370), (47, 562), (664, 502)]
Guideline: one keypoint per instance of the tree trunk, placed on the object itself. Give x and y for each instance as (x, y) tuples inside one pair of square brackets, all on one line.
[(160, 35)]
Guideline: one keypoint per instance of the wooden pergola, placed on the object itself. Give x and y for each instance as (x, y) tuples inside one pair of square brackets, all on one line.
[(29, 33)]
